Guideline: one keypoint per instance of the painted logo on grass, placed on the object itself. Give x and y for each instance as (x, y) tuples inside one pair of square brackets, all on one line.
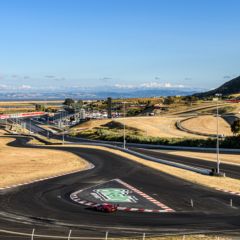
[(114, 195)]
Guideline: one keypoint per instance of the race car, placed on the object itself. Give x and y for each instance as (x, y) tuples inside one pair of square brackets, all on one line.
[(105, 207)]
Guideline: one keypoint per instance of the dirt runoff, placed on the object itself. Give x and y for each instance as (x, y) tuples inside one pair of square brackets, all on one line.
[(19, 165), (207, 125)]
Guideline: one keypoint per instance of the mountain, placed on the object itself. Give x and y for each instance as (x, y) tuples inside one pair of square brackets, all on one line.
[(148, 89), (228, 88), (93, 94)]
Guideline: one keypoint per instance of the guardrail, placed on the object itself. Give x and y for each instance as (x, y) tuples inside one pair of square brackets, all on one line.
[(173, 164), (155, 146), (153, 159)]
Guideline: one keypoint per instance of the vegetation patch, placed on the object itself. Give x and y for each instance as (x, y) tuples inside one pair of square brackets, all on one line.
[(137, 136), (110, 131)]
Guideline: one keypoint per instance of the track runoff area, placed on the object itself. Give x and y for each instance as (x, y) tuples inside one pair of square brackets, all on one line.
[(116, 191)]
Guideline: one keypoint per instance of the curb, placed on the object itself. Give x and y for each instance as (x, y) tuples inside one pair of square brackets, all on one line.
[(227, 191), (154, 201)]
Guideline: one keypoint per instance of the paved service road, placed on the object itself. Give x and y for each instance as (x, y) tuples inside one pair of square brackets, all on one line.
[(47, 207)]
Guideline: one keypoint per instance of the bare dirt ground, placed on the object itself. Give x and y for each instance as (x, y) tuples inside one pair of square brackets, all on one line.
[(152, 126), (19, 165), (208, 124), (225, 158)]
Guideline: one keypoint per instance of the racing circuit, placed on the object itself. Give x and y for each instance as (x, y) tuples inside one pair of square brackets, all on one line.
[(150, 202)]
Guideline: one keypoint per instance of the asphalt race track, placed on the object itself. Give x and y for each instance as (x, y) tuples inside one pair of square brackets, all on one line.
[(231, 170), (47, 207)]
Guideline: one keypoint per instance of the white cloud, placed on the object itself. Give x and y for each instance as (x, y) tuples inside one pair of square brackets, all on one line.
[(24, 87), (9, 87), (149, 85), (124, 86), (160, 85), (3, 87)]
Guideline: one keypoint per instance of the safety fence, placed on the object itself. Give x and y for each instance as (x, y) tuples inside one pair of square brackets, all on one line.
[(108, 235)]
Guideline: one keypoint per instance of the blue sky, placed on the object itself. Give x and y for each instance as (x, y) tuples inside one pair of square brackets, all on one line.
[(105, 42)]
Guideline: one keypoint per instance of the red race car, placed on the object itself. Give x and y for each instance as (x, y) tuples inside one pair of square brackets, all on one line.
[(106, 207)]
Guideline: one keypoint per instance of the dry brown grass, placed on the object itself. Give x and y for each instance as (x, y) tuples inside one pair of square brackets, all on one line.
[(12, 103), (16, 110), (184, 237), (91, 124), (235, 95), (179, 108), (18, 165), (208, 125), (151, 126), (157, 126)]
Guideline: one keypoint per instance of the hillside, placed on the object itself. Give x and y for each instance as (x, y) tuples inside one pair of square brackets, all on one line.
[(228, 88)]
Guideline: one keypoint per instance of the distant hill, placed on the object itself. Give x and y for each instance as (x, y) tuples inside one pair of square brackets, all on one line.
[(228, 88), (95, 94)]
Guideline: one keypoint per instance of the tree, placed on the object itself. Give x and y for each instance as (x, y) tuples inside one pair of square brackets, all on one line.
[(235, 127), (80, 103), (169, 100), (190, 99), (40, 107), (69, 101)]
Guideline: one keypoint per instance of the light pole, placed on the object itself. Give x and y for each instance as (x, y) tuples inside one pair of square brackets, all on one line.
[(124, 125), (63, 139), (217, 145), (48, 127), (30, 130)]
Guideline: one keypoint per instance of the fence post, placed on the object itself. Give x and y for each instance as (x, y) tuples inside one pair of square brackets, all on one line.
[(231, 203), (106, 236), (144, 235), (32, 234), (191, 202), (69, 235)]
